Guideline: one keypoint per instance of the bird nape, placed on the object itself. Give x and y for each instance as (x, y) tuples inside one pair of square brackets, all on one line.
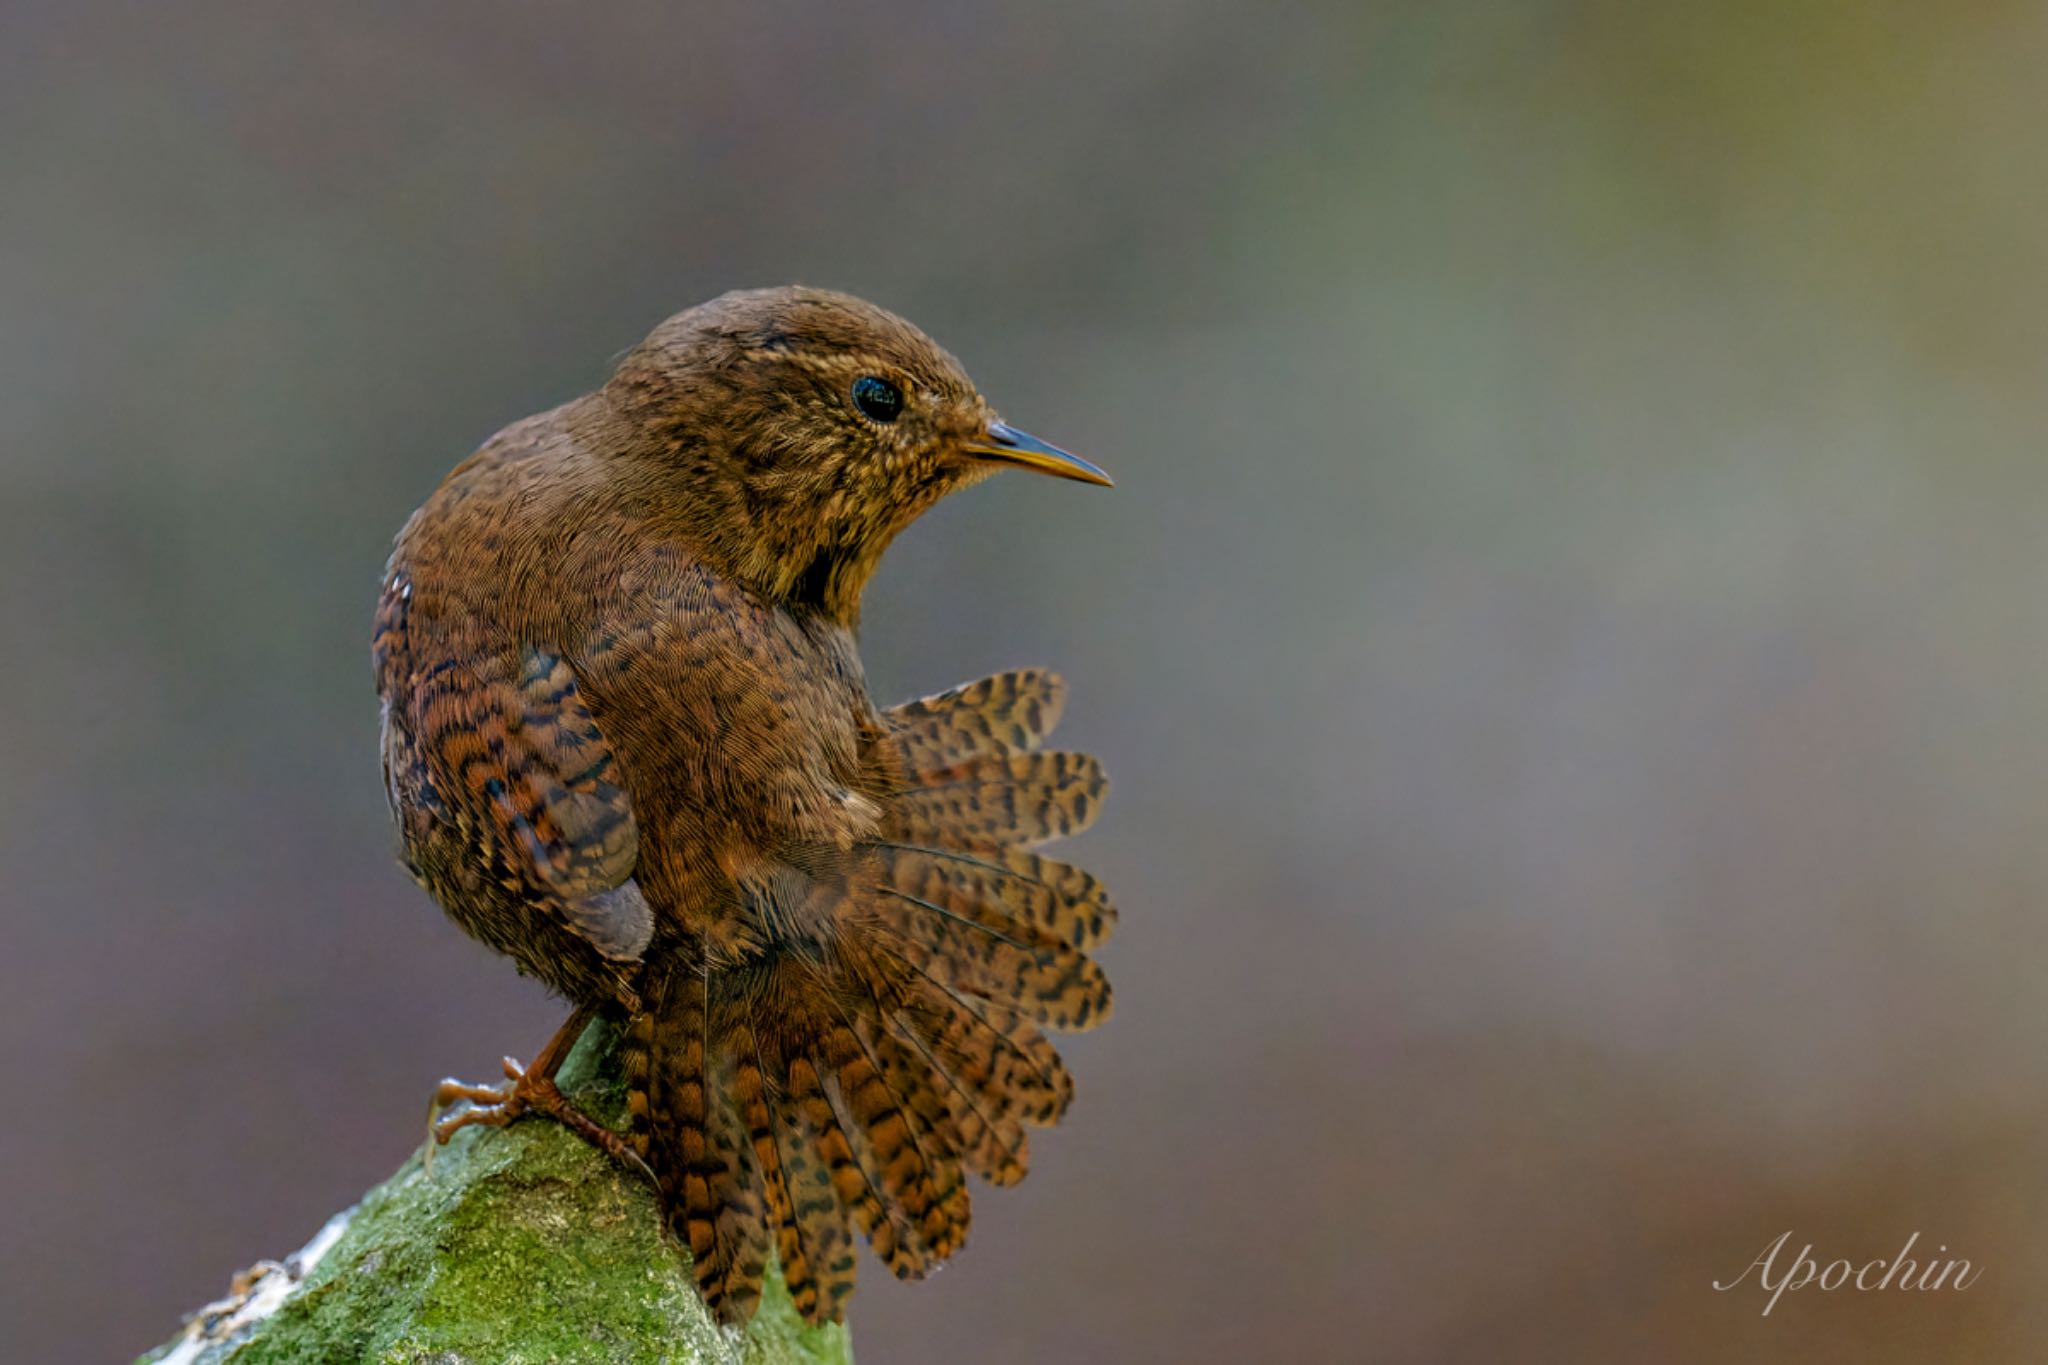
[(628, 742)]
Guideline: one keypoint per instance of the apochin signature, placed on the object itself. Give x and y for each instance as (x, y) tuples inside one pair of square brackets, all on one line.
[(1899, 1272)]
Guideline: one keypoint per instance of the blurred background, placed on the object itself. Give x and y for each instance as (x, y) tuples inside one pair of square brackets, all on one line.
[(1568, 636)]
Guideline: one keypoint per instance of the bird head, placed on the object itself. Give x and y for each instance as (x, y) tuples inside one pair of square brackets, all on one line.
[(794, 432)]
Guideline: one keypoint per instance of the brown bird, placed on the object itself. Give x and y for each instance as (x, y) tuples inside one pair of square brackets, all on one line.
[(628, 742)]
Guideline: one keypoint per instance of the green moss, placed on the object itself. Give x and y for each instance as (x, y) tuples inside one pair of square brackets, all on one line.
[(522, 1245)]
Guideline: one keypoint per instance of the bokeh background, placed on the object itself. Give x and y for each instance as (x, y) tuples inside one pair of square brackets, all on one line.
[(1569, 636)]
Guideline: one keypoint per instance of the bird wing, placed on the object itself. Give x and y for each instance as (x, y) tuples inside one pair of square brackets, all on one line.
[(496, 769)]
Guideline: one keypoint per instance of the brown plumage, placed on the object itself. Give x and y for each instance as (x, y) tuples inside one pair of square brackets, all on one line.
[(628, 742)]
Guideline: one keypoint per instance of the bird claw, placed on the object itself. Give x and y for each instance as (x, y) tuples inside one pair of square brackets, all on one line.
[(528, 1092)]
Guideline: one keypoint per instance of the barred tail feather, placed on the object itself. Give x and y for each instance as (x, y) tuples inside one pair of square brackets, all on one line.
[(1009, 964), (1005, 714), (820, 1219), (1056, 899), (786, 1218), (1018, 799), (992, 1051), (883, 1225), (988, 1133), (919, 1181), (732, 1274), (698, 1147)]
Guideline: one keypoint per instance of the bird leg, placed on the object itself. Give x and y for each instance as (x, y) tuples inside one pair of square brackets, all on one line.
[(532, 1090)]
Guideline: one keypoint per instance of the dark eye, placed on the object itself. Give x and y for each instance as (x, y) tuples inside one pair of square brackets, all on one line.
[(878, 398)]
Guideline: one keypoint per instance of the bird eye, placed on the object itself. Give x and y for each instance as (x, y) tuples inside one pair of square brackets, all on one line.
[(878, 398)]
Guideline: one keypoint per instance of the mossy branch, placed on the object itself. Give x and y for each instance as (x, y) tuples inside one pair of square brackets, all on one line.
[(522, 1245)]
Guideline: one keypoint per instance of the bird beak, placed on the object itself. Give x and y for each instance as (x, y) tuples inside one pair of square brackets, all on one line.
[(1005, 444)]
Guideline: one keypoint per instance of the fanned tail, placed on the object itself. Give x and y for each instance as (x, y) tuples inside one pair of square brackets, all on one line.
[(773, 1106), (851, 1077), (992, 938), (969, 907)]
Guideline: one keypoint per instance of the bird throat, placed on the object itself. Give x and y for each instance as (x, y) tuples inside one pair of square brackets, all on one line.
[(831, 581)]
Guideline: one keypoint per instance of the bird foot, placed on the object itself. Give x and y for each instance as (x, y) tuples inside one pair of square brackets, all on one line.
[(529, 1092)]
